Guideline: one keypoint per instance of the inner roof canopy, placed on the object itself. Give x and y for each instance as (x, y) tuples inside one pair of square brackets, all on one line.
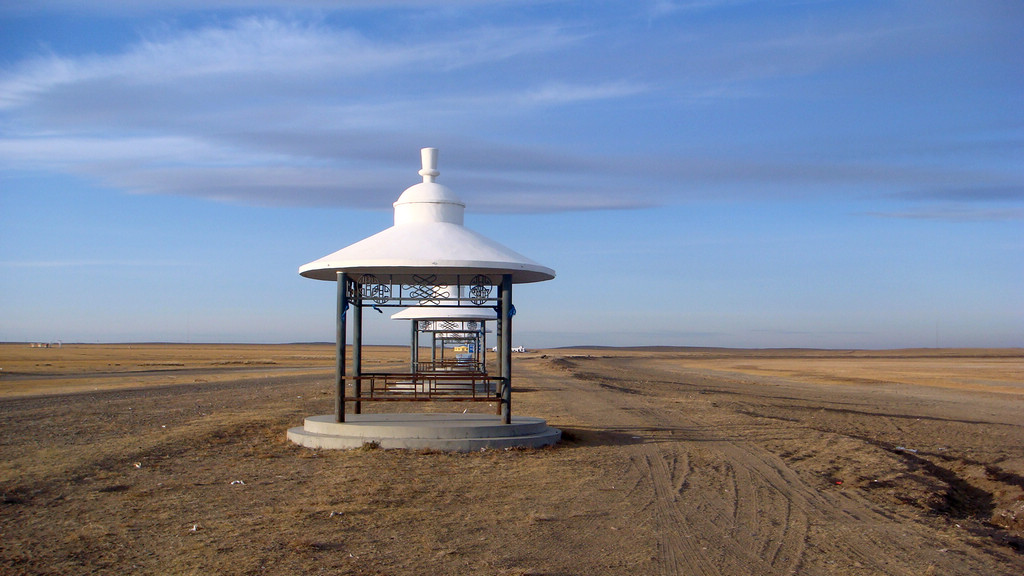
[(427, 239), (452, 314)]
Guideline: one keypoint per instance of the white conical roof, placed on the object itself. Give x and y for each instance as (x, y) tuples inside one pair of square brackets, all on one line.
[(428, 238)]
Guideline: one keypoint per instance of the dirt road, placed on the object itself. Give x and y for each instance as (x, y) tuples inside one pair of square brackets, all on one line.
[(755, 475), (672, 464)]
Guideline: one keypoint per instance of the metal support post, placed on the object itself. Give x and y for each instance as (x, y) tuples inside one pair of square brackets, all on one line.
[(414, 351), (483, 346), (506, 348), (339, 339), (357, 348), (499, 353)]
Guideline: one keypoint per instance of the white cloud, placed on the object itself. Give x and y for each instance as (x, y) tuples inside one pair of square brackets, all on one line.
[(133, 7), (244, 112), (261, 105), (36, 76), (956, 214), (563, 93), (92, 264), (269, 53), (59, 151)]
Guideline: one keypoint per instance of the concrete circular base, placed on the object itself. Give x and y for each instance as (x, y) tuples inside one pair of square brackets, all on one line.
[(448, 432)]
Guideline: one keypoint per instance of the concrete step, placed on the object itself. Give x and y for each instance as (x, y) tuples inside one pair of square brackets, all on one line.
[(449, 432)]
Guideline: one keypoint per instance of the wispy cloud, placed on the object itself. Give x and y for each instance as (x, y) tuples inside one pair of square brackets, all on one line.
[(246, 111), (265, 52), (92, 264), (955, 214), (293, 110), (966, 194), (43, 150), (661, 8), (958, 204), (561, 93), (122, 7)]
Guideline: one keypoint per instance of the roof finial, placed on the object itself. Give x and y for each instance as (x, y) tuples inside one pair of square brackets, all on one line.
[(429, 157)]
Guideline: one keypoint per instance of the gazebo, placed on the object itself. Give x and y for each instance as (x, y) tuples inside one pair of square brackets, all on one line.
[(431, 264), (461, 330)]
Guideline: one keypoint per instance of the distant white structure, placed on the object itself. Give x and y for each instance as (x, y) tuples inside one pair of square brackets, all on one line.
[(514, 349), (57, 344)]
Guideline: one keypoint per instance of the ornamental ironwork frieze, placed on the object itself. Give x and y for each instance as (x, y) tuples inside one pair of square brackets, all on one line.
[(480, 289), (426, 289), (423, 290), (371, 288)]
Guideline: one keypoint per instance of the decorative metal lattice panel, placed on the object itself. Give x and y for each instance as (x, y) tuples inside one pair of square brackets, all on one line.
[(372, 289), (424, 291), (480, 290), (427, 291)]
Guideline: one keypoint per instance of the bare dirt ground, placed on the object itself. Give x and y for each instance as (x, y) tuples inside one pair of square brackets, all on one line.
[(157, 459)]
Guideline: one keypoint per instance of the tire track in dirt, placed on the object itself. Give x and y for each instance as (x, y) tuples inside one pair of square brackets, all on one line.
[(722, 502), (846, 528), (679, 549), (717, 519), (771, 525), (764, 527), (726, 517)]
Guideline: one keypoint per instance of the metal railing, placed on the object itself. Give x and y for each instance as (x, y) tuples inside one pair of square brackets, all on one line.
[(426, 386), (458, 365)]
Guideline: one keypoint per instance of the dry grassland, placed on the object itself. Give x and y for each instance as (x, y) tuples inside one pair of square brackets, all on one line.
[(172, 459)]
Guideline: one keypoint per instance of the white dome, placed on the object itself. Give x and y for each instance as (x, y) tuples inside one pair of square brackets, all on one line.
[(429, 201)]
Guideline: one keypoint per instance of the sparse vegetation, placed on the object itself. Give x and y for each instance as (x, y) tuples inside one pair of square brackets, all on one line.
[(672, 461)]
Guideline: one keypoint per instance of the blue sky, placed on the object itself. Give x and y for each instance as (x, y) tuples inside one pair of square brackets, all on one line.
[(699, 173)]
